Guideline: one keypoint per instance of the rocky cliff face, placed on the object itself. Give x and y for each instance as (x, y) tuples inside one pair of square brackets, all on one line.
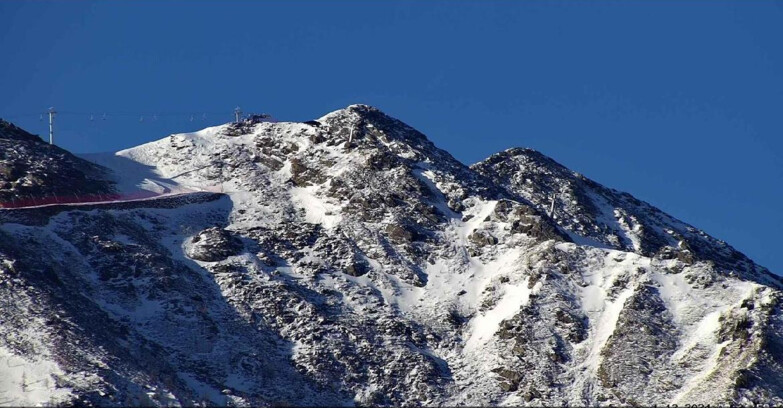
[(350, 261)]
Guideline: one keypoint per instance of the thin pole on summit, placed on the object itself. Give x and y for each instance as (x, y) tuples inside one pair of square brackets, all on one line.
[(51, 125), (237, 113)]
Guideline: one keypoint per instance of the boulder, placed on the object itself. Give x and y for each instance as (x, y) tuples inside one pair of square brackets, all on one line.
[(212, 245), (482, 238)]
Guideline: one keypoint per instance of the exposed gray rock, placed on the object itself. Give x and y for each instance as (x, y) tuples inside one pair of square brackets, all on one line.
[(482, 238), (212, 245)]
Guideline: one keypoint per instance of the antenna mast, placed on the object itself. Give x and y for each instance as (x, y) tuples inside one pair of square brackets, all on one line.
[(237, 113), (51, 125)]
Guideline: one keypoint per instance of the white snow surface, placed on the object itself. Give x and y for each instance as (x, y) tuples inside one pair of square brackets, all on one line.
[(29, 381)]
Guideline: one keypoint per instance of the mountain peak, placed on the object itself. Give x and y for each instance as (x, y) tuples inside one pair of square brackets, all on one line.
[(360, 117), (525, 155), (356, 108), (354, 111), (600, 216), (360, 107)]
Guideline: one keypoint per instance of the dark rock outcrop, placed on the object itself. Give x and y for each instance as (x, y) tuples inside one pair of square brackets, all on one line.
[(212, 245), (31, 168)]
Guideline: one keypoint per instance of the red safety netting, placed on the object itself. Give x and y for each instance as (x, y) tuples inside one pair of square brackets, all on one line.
[(92, 198), (24, 202)]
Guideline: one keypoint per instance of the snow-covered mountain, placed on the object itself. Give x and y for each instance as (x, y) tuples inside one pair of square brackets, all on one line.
[(348, 260)]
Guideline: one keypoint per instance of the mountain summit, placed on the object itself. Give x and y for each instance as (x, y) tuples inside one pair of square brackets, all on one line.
[(348, 260)]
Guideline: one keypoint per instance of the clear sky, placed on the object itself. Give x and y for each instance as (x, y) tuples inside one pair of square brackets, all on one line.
[(678, 103)]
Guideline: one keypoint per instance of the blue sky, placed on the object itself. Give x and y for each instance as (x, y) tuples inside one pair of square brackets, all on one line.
[(678, 103)]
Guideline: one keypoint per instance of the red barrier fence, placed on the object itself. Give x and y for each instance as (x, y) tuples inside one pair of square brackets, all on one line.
[(93, 198), (99, 198)]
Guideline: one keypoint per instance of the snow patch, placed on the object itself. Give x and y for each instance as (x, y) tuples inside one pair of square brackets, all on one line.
[(485, 326), (25, 382), (317, 210)]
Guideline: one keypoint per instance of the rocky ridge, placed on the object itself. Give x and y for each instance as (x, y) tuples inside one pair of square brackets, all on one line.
[(600, 216), (31, 168)]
